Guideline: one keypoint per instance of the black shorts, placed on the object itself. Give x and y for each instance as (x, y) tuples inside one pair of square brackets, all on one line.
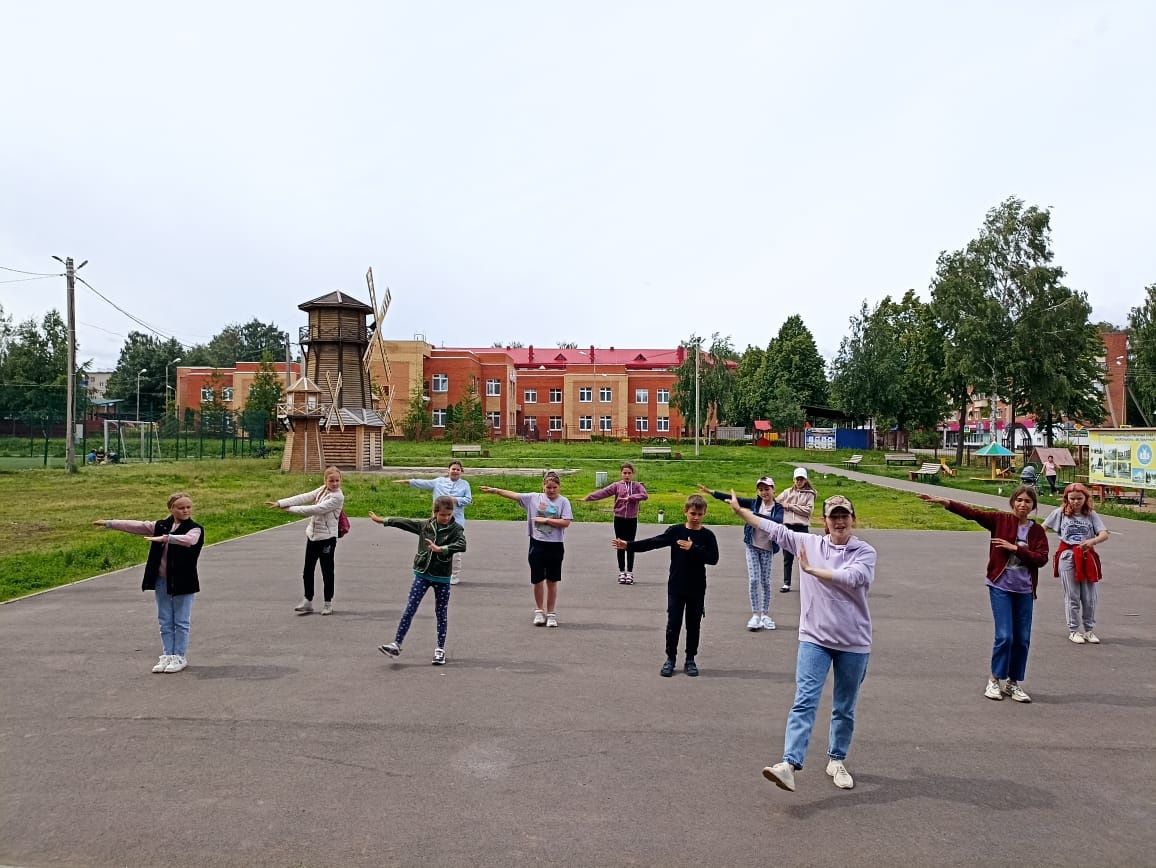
[(545, 561)]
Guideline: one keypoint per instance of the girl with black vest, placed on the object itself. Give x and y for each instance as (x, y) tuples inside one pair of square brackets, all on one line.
[(170, 572)]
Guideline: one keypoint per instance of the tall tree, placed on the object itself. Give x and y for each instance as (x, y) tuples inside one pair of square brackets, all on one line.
[(716, 379), (793, 358), (746, 402), (264, 395), (34, 364), (144, 352), (417, 424), (1142, 349), (467, 422)]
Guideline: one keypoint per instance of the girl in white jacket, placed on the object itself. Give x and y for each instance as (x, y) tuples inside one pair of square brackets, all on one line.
[(323, 505)]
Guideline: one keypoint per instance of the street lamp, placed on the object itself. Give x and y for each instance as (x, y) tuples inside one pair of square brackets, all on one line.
[(169, 365), (141, 371)]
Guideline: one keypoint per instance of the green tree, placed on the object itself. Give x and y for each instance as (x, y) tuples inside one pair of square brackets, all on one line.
[(783, 409), (144, 352), (264, 395), (35, 359), (417, 424), (746, 401), (793, 358), (716, 379), (1142, 349), (214, 414), (467, 422)]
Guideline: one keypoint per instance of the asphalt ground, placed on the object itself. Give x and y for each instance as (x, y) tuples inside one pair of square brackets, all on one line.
[(292, 741)]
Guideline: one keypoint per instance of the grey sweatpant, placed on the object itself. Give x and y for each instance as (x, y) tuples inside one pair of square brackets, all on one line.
[(1077, 595)]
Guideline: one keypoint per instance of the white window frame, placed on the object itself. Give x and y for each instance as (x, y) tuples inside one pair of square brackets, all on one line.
[(585, 394), (438, 418), (439, 383), (206, 395), (493, 388), (531, 423), (555, 396), (555, 423), (494, 417), (530, 396), (641, 424), (227, 394), (642, 396), (585, 423), (605, 423), (662, 423), (662, 396), (605, 394)]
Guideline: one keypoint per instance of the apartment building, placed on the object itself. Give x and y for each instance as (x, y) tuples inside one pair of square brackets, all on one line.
[(197, 385), (543, 394)]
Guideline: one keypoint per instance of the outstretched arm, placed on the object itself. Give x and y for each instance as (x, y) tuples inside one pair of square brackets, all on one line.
[(501, 492)]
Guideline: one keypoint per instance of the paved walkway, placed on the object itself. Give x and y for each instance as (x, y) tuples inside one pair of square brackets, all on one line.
[(292, 741)]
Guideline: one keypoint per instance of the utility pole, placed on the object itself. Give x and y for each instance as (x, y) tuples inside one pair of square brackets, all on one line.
[(288, 363), (70, 410), (697, 358)]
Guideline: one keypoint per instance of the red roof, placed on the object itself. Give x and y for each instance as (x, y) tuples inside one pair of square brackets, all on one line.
[(553, 356)]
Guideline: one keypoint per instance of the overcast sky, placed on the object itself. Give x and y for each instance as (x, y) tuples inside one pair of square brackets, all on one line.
[(610, 173)]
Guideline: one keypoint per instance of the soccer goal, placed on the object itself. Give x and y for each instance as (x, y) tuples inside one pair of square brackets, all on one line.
[(129, 440)]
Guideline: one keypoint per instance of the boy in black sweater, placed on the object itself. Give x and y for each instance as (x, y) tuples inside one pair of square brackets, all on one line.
[(692, 547)]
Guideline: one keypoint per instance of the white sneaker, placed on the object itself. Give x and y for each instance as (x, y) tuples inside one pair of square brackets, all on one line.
[(454, 580), (1091, 638), (993, 690), (176, 663), (391, 649), (327, 609), (551, 619), (782, 775), (1077, 637), (1017, 693), (539, 617), (838, 771), (305, 607), (768, 624), (755, 623), (162, 662), (439, 657)]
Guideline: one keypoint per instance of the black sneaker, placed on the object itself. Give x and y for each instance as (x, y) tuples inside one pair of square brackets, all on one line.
[(667, 668), (691, 667)]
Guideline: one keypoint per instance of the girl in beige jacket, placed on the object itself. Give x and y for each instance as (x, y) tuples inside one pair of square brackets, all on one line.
[(323, 506)]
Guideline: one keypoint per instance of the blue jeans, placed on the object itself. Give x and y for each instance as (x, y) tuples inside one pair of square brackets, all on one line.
[(1013, 633), (175, 614), (810, 675)]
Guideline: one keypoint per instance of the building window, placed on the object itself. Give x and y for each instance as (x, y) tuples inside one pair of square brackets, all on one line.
[(663, 424), (641, 424), (206, 395), (227, 394), (495, 420), (440, 383), (555, 423), (585, 395), (439, 418), (606, 394), (585, 423), (555, 396), (531, 424), (641, 396), (604, 423), (530, 396), (493, 388), (663, 396)]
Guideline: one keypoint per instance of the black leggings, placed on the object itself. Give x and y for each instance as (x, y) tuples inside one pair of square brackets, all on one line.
[(788, 558), (319, 550), (627, 529), (693, 604)]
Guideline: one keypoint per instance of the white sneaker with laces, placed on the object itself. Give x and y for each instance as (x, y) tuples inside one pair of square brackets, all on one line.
[(551, 619), (768, 624), (454, 580), (304, 607), (782, 775), (391, 649), (838, 771), (1077, 637), (176, 663), (162, 662), (439, 657), (539, 617), (755, 623), (993, 690), (1017, 693), (327, 609), (1091, 638)]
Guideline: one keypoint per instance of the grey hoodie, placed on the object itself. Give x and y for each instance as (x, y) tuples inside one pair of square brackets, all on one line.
[(833, 614)]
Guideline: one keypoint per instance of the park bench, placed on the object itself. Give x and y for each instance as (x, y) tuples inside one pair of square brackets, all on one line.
[(853, 461), (929, 470), (656, 452), (466, 450), (1117, 493), (900, 458)]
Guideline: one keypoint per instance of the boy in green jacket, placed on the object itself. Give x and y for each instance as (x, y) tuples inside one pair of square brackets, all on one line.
[(438, 540)]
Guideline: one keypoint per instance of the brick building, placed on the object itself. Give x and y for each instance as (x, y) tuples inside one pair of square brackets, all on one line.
[(196, 384), (545, 394)]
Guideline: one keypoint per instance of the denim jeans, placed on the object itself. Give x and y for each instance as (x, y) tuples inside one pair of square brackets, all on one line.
[(810, 674), (175, 614), (1013, 633)]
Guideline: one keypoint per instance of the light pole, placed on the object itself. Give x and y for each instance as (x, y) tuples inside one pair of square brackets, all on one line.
[(169, 365), (697, 358), (141, 371)]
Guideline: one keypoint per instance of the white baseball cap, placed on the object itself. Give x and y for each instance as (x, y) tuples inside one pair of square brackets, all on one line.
[(765, 480), (799, 471)]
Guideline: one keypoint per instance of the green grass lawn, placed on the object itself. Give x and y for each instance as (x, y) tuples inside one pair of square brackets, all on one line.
[(47, 538)]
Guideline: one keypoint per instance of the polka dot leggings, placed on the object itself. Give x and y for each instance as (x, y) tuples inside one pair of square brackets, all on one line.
[(441, 607)]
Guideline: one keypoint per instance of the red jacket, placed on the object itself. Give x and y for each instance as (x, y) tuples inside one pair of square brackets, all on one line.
[(1004, 525)]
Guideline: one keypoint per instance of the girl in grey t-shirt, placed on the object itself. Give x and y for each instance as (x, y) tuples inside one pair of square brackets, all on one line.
[(1076, 562)]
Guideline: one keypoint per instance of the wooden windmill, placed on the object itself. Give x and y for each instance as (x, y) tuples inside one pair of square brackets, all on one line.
[(385, 390)]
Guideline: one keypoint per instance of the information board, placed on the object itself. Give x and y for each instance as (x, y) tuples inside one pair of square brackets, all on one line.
[(1122, 457)]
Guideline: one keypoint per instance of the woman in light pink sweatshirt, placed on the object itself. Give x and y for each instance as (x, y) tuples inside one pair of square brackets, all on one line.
[(835, 574)]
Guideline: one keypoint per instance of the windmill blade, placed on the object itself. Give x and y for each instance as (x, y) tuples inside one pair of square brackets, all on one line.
[(334, 405), (379, 342)]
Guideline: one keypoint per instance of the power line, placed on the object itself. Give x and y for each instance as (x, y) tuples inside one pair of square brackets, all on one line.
[(133, 317), (26, 279), (37, 273)]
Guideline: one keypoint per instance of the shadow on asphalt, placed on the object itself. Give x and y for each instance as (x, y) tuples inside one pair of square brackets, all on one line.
[(241, 672), (1099, 699)]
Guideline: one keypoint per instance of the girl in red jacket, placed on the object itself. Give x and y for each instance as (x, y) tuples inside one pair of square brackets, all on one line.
[(1019, 547)]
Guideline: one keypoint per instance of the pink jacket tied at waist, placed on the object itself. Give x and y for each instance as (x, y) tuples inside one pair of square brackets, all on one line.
[(627, 496)]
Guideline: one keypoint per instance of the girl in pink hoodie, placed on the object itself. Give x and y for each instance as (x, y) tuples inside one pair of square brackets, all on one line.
[(627, 495)]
